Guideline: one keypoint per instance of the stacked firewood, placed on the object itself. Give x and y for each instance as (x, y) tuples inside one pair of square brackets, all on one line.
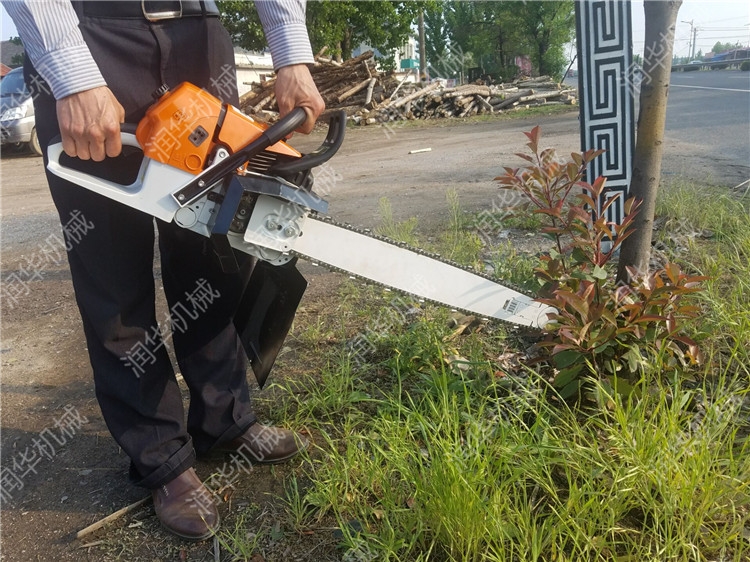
[(350, 85), (433, 101), (371, 97)]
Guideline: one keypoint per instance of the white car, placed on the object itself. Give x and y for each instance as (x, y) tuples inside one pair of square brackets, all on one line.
[(17, 125)]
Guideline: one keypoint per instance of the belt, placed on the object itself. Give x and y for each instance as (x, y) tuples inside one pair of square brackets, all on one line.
[(151, 10)]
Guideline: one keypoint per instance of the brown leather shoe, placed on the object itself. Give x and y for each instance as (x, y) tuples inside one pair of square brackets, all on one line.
[(186, 508), (264, 444)]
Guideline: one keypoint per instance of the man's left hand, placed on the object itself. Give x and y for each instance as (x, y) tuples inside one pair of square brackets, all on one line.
[(295, 88)]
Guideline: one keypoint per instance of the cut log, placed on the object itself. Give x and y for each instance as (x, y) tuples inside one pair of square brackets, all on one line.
[(485, 103), (351, 91), (541, 96), (402, 101), (258, 106), (370, 87), (480, 90), (512, 99)]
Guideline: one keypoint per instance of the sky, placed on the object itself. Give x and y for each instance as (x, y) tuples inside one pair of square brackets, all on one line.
[(725, 21)]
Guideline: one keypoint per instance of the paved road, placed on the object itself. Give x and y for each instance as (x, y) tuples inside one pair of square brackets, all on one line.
[(708, 120)]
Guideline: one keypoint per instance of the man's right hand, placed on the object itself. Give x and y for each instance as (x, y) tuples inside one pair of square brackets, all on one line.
[(90, 124)]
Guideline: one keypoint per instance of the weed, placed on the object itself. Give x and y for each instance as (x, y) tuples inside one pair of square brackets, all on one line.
[(446, 469), (397, 231), (419, 461)]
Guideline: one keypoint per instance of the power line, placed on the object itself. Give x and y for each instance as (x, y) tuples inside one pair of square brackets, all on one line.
[(725, 19)]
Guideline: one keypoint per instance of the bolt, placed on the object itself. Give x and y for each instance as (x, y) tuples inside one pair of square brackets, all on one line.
[(181, 197), (290, 231)]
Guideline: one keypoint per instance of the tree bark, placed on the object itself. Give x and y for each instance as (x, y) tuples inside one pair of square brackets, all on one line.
[(661, 17), (422, 49)]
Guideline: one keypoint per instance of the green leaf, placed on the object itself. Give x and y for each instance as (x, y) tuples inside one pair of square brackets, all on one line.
[(599, 273), (570, 389), (634, 359), (565, 376), (566, 358), (580, 256), (623, 387)]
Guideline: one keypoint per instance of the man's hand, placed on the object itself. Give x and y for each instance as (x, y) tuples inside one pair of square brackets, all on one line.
[(90, 124), (295, 88)]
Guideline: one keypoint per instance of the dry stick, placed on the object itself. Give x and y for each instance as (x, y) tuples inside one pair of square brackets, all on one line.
[(351, 91), (512, 99), (356, 60), (109, 518), (481, 90), (261, 103), (541, 95), (471, 106), (371, 85), (486, 104), (399, 86), (326, 60), (415, 95), (534, 80), (550, 85), (258, 90)]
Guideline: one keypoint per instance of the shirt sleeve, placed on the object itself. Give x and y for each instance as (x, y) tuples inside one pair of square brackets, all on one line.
[(286, 32), (53, 42)]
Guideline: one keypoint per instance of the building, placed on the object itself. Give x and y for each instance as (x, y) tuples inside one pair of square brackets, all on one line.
[(406, 58), (252, 67)]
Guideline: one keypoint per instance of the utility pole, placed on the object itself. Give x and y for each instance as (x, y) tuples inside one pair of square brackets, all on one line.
[(695, 34), (691, 41), (422, 49)]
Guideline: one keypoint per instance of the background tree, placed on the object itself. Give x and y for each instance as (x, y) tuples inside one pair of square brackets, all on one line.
[(486, 33), (720, 47), (338, 25), (494, 33), (661, 18), (546, 28)]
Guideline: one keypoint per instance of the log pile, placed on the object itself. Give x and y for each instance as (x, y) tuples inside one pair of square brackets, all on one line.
[(371, 97)]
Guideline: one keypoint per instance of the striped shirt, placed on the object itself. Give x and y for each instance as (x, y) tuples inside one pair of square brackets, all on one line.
[(53, 42)]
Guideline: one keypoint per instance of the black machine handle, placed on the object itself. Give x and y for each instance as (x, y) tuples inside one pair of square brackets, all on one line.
[(332, 142), (276, 132), (122, 170)]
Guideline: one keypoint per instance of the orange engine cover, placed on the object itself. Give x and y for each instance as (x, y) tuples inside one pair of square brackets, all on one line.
[(185, 125)]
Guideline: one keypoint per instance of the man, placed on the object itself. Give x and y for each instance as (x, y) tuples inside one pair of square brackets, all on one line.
[(91, 66)]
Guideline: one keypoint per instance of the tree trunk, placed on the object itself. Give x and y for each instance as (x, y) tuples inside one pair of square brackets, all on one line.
[(422, 49), (661, 17), (346, 44)]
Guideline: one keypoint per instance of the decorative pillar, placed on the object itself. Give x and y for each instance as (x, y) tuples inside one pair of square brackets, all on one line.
[(606, 93)]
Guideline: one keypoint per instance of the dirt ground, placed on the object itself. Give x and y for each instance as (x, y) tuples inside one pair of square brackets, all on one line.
[(61, 469)]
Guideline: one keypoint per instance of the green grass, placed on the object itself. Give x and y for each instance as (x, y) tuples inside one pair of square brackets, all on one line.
[(460, 467), (416, 460), (709, 230)]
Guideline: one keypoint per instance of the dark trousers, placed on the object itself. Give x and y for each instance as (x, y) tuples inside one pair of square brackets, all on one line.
[(112, 267)]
